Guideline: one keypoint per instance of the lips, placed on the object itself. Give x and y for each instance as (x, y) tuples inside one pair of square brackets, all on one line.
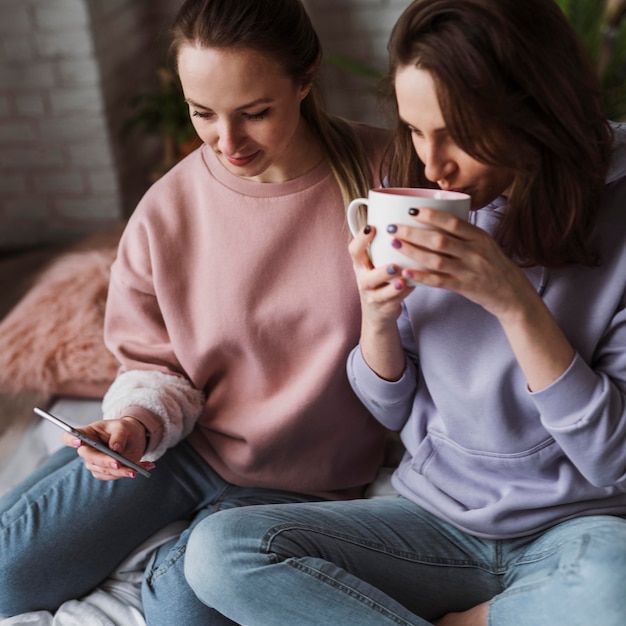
[(242, 161), (455, 189)]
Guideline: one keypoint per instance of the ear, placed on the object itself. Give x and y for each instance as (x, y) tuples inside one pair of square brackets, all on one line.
[(308, 79)]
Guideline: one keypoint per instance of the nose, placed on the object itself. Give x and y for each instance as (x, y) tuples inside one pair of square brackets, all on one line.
[(230, 138), (438, 162)]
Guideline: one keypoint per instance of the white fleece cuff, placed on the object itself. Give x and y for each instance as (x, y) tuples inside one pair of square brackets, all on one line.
[(174, 400)]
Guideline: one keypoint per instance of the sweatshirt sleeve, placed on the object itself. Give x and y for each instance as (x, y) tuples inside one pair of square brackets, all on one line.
[(390, 402), (168, 406), (151, 384), (585, 409)]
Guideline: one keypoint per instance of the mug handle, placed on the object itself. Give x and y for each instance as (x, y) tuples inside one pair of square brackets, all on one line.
[(356, 218)]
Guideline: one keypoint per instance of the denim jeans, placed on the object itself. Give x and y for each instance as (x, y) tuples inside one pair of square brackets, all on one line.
[(62, 532), (387, 561)]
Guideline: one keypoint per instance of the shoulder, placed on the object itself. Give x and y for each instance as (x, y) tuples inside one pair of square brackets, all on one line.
[(176, 193), (169, 209), (179, 177)]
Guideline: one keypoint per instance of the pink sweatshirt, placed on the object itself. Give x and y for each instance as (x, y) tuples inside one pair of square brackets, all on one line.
[(232, 309)]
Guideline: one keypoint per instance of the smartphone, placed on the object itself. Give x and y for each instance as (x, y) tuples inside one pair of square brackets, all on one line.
[(90, 442)]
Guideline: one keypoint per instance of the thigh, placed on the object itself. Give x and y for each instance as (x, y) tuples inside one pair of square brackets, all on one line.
[(427, 565), (571, 574), (62, 531)]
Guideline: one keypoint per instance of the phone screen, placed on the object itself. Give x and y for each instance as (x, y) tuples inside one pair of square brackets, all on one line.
[(90, 442)]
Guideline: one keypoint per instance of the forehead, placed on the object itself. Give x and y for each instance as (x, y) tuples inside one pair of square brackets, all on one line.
[(416, 93), (217, 73)]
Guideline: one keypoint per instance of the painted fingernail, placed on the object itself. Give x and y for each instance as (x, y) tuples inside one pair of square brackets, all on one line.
[(391, 270), (408, 274), (398, 285), (367, 230), (396, 243), (414, 212), (392, 228)]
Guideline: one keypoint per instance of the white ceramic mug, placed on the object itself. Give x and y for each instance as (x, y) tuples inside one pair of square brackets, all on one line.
[(391, 206)]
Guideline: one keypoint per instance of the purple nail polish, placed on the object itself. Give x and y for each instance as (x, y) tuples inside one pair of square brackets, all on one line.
[(414, 212), (398, 285), (391, 270), (396, 243), (367, 230), (392, 228)]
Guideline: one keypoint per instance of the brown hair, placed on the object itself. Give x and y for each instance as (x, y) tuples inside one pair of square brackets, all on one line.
[(516, 90), (281, 29)]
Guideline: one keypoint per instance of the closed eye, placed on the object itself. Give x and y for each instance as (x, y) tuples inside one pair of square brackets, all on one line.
[(257, 116), (202, 115)]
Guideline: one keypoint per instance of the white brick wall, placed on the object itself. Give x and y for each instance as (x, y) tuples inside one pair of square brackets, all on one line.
[(68, 70)]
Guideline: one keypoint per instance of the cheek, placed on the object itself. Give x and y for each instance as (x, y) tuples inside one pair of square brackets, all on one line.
[(274, 137), (417, 145), (202, 129)]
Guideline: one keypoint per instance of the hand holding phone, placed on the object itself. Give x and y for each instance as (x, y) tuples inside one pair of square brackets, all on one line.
[(91, 442)]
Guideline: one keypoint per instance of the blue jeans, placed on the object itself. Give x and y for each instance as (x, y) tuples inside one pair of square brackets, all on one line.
[(387, 561), (62, 532)]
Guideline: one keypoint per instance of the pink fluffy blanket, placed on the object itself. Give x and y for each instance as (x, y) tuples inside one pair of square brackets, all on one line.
[(51, 341)]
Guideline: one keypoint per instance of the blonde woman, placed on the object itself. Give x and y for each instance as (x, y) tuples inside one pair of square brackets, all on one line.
[(232, 309)]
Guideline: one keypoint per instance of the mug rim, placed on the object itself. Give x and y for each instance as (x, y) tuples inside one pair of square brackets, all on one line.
[(422, 192)]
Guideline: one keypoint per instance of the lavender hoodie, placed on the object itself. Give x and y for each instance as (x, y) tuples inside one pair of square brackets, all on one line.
[(482, 451)]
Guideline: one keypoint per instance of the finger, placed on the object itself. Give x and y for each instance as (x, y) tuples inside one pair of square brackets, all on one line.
[(358, 247), (382, 289), (105, 475), (111, 470), (443, 221), (95, 460), (70, 440), (430, 248)]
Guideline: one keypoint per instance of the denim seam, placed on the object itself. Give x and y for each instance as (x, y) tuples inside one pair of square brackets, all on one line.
[(331, 582), (274, 532), (152, 575)]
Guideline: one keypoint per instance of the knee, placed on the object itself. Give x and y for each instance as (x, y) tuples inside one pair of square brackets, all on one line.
[(591, 574), (218, 552), (603, 571)]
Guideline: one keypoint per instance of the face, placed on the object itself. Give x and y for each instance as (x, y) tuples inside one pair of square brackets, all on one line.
[(245, 108), (445, 163)]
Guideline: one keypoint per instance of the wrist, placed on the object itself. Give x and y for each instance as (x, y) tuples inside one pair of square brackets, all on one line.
[(146, 433)]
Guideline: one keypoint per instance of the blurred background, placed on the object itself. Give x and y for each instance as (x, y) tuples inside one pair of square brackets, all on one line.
[(90, 116)]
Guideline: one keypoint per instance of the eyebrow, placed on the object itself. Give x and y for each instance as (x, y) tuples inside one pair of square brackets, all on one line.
[(241, 108)]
